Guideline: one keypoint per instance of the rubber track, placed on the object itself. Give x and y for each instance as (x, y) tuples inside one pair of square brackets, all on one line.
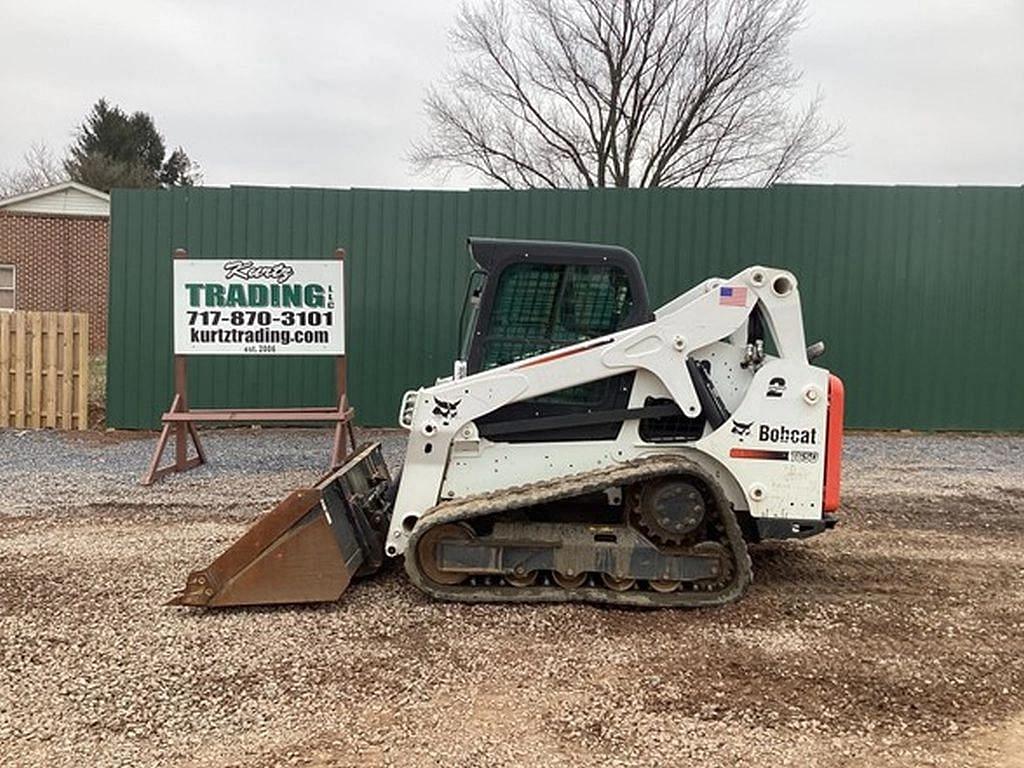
[(507, 499)]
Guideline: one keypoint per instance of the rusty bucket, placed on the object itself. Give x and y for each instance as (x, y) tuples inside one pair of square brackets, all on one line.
[(309, 547)]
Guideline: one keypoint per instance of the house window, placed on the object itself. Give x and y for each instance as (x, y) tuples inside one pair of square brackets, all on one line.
[(6, 286)]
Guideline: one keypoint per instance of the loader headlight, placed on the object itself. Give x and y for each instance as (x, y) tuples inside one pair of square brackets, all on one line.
[(408, 407)]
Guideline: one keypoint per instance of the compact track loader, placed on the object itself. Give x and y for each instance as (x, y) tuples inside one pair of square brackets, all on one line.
[(585, 448)]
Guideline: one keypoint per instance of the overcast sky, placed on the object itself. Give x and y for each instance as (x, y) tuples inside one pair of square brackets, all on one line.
[(328, 93)]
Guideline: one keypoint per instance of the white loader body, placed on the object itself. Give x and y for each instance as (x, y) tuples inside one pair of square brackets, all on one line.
[(769, 455)]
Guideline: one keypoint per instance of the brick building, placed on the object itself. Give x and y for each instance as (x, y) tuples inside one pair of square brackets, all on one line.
[(53, 253)]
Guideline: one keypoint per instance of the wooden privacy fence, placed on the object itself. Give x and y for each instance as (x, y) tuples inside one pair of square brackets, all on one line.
[(44, 369)]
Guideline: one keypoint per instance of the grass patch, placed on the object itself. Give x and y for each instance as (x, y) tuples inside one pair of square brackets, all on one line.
[(98, 391), (98, 379)]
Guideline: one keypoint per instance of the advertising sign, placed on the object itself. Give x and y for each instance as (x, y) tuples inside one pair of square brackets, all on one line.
[(244, 306)]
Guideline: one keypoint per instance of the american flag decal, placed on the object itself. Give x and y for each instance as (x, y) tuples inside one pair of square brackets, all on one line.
[(732, 296)]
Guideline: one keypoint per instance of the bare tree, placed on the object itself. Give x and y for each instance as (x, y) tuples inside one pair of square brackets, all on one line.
[(643, 93), (39, 169)]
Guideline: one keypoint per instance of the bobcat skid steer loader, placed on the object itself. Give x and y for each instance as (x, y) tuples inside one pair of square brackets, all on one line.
[(585, 448)]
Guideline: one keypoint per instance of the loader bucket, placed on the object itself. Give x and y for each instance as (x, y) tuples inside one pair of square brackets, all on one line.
[(309, 547)]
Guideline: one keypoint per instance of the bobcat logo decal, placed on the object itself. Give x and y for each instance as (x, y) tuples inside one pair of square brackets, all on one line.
[(741, 429), (445, 409)]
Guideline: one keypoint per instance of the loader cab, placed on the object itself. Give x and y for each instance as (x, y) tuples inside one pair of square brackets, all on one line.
[(529, 297)]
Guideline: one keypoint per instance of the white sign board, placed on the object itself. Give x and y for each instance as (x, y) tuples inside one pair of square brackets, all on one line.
[(250, 307)]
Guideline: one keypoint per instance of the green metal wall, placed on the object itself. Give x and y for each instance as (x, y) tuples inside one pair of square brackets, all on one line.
[(915, 289)]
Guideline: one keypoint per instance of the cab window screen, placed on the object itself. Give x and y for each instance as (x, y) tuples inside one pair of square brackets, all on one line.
[(540, 307)]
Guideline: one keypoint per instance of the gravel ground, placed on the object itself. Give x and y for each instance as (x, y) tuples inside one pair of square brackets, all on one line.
[(895, 640)]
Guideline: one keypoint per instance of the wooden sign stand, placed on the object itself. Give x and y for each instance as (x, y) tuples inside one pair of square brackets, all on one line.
[(182, 420)]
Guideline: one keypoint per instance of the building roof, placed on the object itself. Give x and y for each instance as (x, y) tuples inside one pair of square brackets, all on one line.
[(68, 198)]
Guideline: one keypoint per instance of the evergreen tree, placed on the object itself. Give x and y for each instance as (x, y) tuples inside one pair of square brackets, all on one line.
[(114, 149)]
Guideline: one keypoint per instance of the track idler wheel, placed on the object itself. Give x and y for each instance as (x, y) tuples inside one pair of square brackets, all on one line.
[(521, 580), (566, 581), (664, 585), (426, 553), (617, 584)]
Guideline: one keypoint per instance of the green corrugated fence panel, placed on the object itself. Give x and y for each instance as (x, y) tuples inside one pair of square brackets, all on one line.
[(915, 289)]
